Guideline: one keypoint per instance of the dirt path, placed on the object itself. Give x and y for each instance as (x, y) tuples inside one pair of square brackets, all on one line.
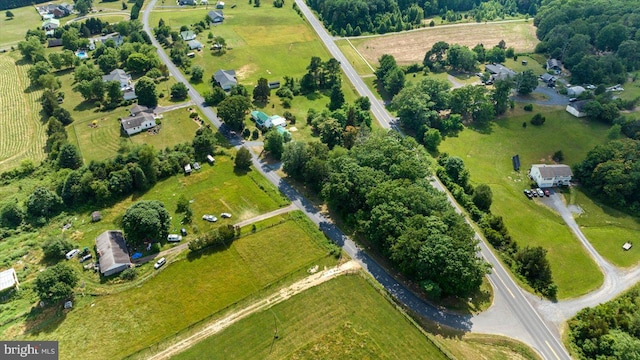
[(179, 248), (267, 302)]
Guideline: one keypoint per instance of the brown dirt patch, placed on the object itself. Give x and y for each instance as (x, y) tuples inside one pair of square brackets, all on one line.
[(245, 71), (410, 47)]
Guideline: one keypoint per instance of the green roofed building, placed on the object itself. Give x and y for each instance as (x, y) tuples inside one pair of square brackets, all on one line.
[(259, 117)]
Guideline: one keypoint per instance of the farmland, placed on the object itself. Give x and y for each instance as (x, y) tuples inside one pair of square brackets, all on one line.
[(487, 156), (410, 47), (13, 30), (22, 134)]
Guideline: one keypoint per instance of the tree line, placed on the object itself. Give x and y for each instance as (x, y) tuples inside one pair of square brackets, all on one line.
[(598, 41)]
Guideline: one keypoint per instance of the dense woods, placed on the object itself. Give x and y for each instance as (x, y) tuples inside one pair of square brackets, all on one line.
[(608, 331), (598, 40), (12, 4), (355, 17), (611, 172)]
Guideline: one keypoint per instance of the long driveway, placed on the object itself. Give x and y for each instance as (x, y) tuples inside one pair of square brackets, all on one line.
[(523, 322)]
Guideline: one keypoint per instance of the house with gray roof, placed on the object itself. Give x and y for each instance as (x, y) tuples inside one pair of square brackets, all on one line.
[(135, 124), (187, 35), (550, 175), (499, 72), (194, 45), (576, 108), (126, 85), (50, 24), (112, 252), (216, 16), (226, 79)]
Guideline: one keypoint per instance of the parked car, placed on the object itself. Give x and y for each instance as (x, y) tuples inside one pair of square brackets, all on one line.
[(225, 215), (528, 194), (534, 192), (71, 254), (196, 166), (547, 192), (159, 263), (174, 238), (209, 218), (85, 258), (540, 192), (183, 232)]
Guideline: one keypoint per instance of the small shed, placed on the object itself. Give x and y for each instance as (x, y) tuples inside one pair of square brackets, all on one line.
[(627, 246), (187, 169), (210, 159), (8, 279), (274, 84), (96, 216)]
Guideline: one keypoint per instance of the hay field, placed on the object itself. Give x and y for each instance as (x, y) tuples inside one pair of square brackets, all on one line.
[(22, 134), (410, 47)]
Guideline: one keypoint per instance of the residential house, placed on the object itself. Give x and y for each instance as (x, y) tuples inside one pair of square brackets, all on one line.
[(194, 45), (550, 175), (575, 91), (187, 2), (554, 65), (220, 5), (50, 24), (282, 131), (54, 42), (226, 79), (187, 35), (135, 124), (216, 16), (577, 108), (8, 279), (116, 37), (275, 121), (259, 117), (138, 109), (112, 252), (126, 85), (548, 79), (499, 72)]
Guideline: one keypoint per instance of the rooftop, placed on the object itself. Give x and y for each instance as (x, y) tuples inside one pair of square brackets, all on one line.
[(549, 171)]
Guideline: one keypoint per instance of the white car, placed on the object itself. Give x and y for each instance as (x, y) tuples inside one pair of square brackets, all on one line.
[(159, 263), (209, 218), (225, 215), (174, 238)]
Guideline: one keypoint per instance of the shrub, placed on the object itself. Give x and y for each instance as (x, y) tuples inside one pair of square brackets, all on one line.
[(538, 119), (129, 274), (528, 107)]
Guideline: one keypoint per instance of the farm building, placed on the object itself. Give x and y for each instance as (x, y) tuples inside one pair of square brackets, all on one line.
[(216, 16), (499, 72), (275, 121), (138, 123), (54, 42), (194, 45), (274, 84), (112, 252), (8, 279), (554, 65), (50, 24), (577, 108), (575, 91), (550, 175), (187, 35), (126, 85), (226, 79)]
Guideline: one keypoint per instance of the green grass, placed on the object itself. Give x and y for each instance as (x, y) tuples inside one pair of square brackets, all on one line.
[(13, 31), (358, 63), (22, 134), (487, 156), (345, 318), (176, 127), (607, 229), (98, 142), (193, 287)]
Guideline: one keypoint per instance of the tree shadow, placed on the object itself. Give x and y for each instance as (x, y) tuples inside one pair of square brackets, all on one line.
[(313, 96), (482, 128), (210, 250), (86, 105), (44, 320), (240, 172)]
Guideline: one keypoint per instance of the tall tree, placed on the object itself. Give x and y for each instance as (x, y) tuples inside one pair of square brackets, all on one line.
[(146, 220), (233, 110), (243, 159), (262, 91), (274, 144), (336, 98), (56, 283), (69, 157), (525, 82), (146, 91)]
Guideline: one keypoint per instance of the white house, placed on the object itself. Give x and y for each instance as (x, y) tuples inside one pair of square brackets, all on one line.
[(135, 124), (50, 24), (550, 175), (126, 85), (577, 108), (275, 121)]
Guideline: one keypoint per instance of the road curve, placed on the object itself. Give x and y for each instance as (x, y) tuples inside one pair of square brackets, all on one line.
[(539, 336)]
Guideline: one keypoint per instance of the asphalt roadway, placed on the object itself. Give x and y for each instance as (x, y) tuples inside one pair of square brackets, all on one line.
[(536, 333)]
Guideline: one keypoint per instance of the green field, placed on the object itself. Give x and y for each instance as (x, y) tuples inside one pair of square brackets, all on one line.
[(187, 290), (487, 155), (358, 62), (345, 318), (176, 127), (13, 31), (22, 134), (607, 229)]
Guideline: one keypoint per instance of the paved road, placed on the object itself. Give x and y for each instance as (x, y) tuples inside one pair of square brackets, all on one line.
[(537, 333), (553, 98), (524, 321)]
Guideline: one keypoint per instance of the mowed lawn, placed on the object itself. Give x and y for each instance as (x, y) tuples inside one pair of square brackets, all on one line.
[(607, 229), (176, 127), (185, 291), (410, 47), (345, 318), (13, 31), (487, 155), (22, 133)]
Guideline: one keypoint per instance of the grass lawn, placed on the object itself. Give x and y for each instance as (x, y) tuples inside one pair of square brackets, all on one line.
[(187, 290), (97, 142), (359, 63), (532, 64), (22, 134), (607, 229), (13, 31), (176, 127), (345, 318), (487, 156)]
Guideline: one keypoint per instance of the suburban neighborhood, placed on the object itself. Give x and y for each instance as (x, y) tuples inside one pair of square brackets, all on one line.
[(320, 179)]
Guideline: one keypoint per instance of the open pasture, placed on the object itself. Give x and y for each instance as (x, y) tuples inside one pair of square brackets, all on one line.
[(22, 134), (410, 47)]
